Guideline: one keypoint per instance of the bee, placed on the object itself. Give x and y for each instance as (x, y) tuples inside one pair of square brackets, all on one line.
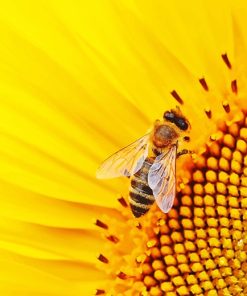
[(150, 162)]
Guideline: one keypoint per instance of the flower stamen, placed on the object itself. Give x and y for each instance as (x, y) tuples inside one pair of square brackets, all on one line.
[(113, 239), (208, 112), (226, 106), (102, 258), (204, 84), (99, 292), (123, 202), (123, 276), (177, 97), (234, 86), (226, 60), (138, 225), (101, 224)]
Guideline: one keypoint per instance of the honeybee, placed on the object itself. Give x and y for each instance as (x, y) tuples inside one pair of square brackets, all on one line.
[(151, 163)]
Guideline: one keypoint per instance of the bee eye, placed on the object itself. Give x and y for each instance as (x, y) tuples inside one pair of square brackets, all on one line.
[(169, 116)]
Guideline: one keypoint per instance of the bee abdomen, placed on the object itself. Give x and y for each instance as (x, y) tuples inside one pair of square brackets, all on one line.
[(140, 186), (138, 209), (141, 195)]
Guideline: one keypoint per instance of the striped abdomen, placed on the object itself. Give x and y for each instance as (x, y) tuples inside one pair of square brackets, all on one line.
[(141, 195)]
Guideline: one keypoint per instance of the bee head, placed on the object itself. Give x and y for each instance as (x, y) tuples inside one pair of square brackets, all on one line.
[(176, 117)]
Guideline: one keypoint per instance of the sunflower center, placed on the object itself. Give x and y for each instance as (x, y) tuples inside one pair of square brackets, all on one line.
[(199, 247)]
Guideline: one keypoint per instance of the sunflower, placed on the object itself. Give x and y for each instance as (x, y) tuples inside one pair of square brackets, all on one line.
[(80, 80)]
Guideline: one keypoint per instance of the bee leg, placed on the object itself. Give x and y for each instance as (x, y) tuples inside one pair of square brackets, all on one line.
[(126, 173), (184, 151)]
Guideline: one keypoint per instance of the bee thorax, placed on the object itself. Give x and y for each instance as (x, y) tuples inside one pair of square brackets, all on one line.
[(164, 135)]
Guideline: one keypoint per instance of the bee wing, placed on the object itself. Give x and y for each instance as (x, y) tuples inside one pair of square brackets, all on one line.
[(162, 179), (126, 161)]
